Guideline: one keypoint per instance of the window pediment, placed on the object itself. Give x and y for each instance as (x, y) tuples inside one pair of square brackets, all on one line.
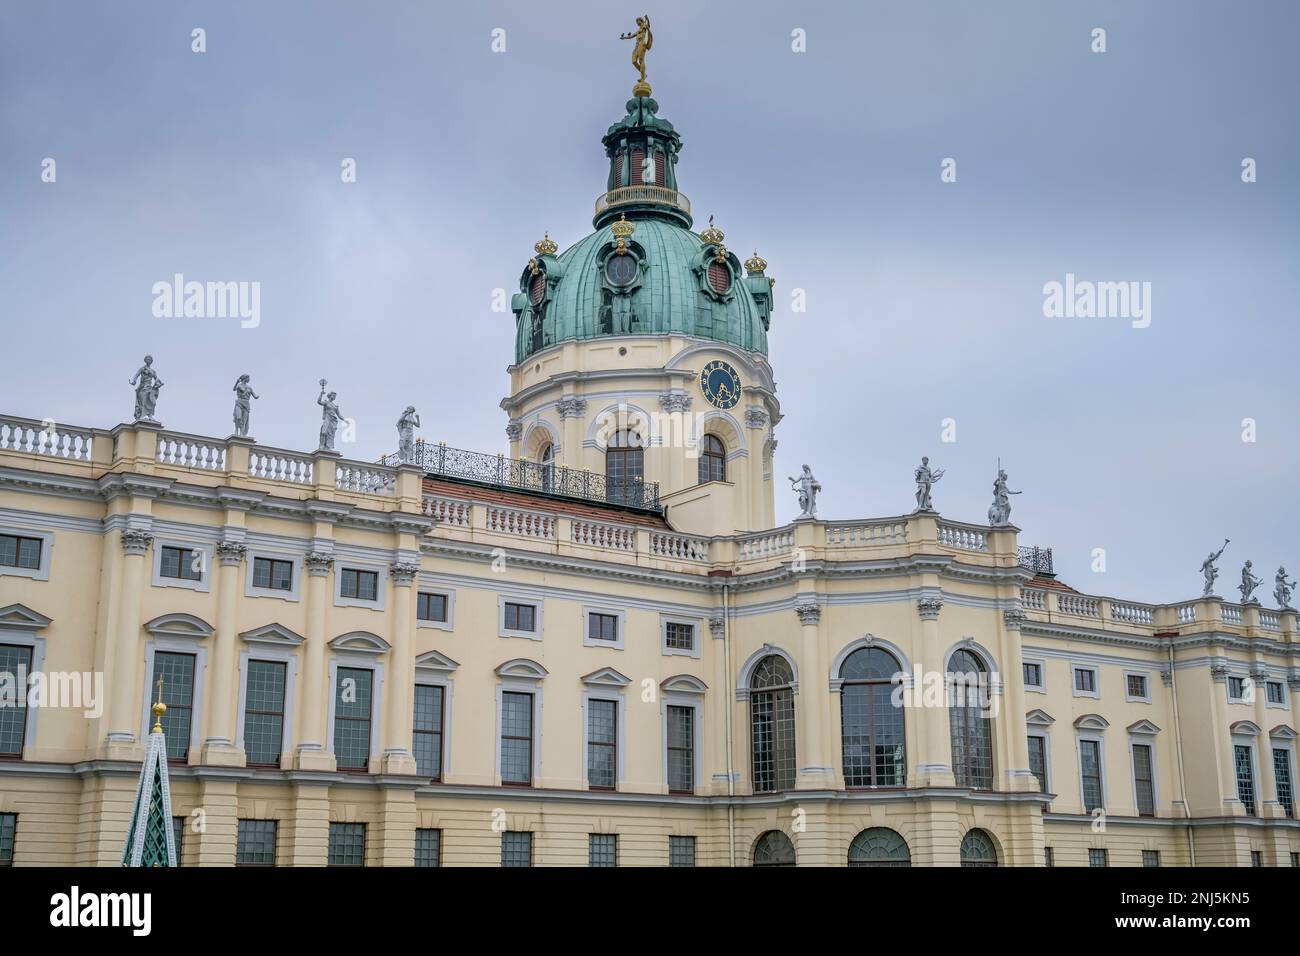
[(523, 669), (1039, 718), (606, 677), (683, 684), (435, 662), (21, 617), (360, 641), (276, 634), (1282, 732), (1246, 728), (1091, 722), (1143, 727), (180, 625)]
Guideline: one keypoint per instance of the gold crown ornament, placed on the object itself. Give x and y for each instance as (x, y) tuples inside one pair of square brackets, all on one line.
[(545, 246), (755, 265), (622, 231), (713, 235)]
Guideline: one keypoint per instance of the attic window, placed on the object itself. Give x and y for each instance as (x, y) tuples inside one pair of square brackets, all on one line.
[(537, 291), (719, 277)]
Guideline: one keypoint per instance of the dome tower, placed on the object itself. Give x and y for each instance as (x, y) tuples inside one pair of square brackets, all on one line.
[(641, 349)]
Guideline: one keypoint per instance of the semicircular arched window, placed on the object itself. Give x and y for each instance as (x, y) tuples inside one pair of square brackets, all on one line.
[(871, 725), (977, 849), (624, 467), (713, 459), (547, 461), (771, 723), (879, 846), (773, 848), (969, 723)]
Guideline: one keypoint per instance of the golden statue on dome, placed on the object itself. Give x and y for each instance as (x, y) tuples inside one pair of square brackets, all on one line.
[(644, 41)]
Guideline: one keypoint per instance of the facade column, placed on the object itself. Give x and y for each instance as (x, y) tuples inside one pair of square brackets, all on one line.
[(813, 772), (1017, 775), (219, 836), (1269, 808), (311, 752), (401, 673), (934, 768), (220, 747), (126, 715), (396, 830), (723, 776), (307, 832), (573, 412), (1229, 805)]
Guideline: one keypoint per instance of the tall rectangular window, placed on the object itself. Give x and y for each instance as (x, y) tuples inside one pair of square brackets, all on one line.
[(520, 617), (1038, 760), (1097, 857), (272, 574), (15, 670), (431, 607), (1150, 857), (352, 705), (177, 673), (602, 744), (178, 836), (427, 744), (1144, 780), (8, 828), (359, 585), (428, 847), (681, 851), (1090, 773), (602, 627), (516, 848), (1256, 858), (255, 843), (602, 849), (1049, 856), (516, 738), (681, 749), (1282, 775), (347, 844), (1245, 777), (264, 713), (1295, 858), (20, 552)]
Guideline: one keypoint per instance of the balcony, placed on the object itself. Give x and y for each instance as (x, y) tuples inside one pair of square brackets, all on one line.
[(642, 196)]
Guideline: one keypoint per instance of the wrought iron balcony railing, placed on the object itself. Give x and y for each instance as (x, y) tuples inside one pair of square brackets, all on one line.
[(628, 195), (498, 471), (1038, 560)]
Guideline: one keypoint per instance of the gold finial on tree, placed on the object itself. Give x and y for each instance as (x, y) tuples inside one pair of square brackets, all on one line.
[(644, 41), (159, 709)]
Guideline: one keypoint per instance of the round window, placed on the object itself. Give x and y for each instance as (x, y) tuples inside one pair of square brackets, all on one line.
[(537, 291), (620, 270), (719, 277)]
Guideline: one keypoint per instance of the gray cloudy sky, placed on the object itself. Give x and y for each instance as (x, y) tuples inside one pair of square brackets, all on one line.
[(924, 299)]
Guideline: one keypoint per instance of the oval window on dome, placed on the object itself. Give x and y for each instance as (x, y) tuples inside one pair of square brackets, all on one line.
[(620, 270), (537, 291), (719, 277)]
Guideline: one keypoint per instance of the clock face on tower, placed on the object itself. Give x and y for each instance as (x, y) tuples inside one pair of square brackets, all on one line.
[(720, 384)]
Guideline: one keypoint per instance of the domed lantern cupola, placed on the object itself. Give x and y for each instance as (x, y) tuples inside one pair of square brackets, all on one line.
[(642, 150)]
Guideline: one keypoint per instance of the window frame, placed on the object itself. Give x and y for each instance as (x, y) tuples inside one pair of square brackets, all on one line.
[(1081, 738), (1075, 670), (530, 843), (1247, 743), (593, 839), (1041, 664), (685, 692), (13, 837), (437, 862), (1101, 854), (1132, 698), (1150, 743), (329, 841), (697, 626), (1042, 734), (35, 648), (441, 733), (246, 661), (535, 603), (620, 626), (380, 572), (356, 660), (1151, 859), (682, 840), (198, 712), (449, 604), (294, 593), (275, 839), (706, 455), (775, 693), (1278, 745), (613, 696), (1246, 688), (42, 570), (534, 754), (1284, 703), (876, 686), (204, 582)]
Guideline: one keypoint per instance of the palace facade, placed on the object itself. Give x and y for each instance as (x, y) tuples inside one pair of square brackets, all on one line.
[(597, 649)]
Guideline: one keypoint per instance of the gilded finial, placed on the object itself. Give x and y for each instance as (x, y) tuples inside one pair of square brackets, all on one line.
[(755, 265), (713, 235), (644, 41), (622, 231), (159, 708), (545, 246)]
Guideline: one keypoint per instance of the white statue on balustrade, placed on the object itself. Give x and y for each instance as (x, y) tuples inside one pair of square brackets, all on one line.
[(406, 426), (331, 415), (147, 383), (1000, 510), (1211, 570), (807, 486), (1248, 584), (1282, 590), (925, 479), (243, 393)]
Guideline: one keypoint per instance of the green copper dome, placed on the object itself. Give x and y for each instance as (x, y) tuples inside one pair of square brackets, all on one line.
[(642, 272)]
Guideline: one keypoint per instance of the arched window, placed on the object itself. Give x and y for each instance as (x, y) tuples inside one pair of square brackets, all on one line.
[(968, 720), (547, 460), (871, 726), (879, 846), (771, 720), (624, 466), (713, 459), (977, 849), (773, 848)]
